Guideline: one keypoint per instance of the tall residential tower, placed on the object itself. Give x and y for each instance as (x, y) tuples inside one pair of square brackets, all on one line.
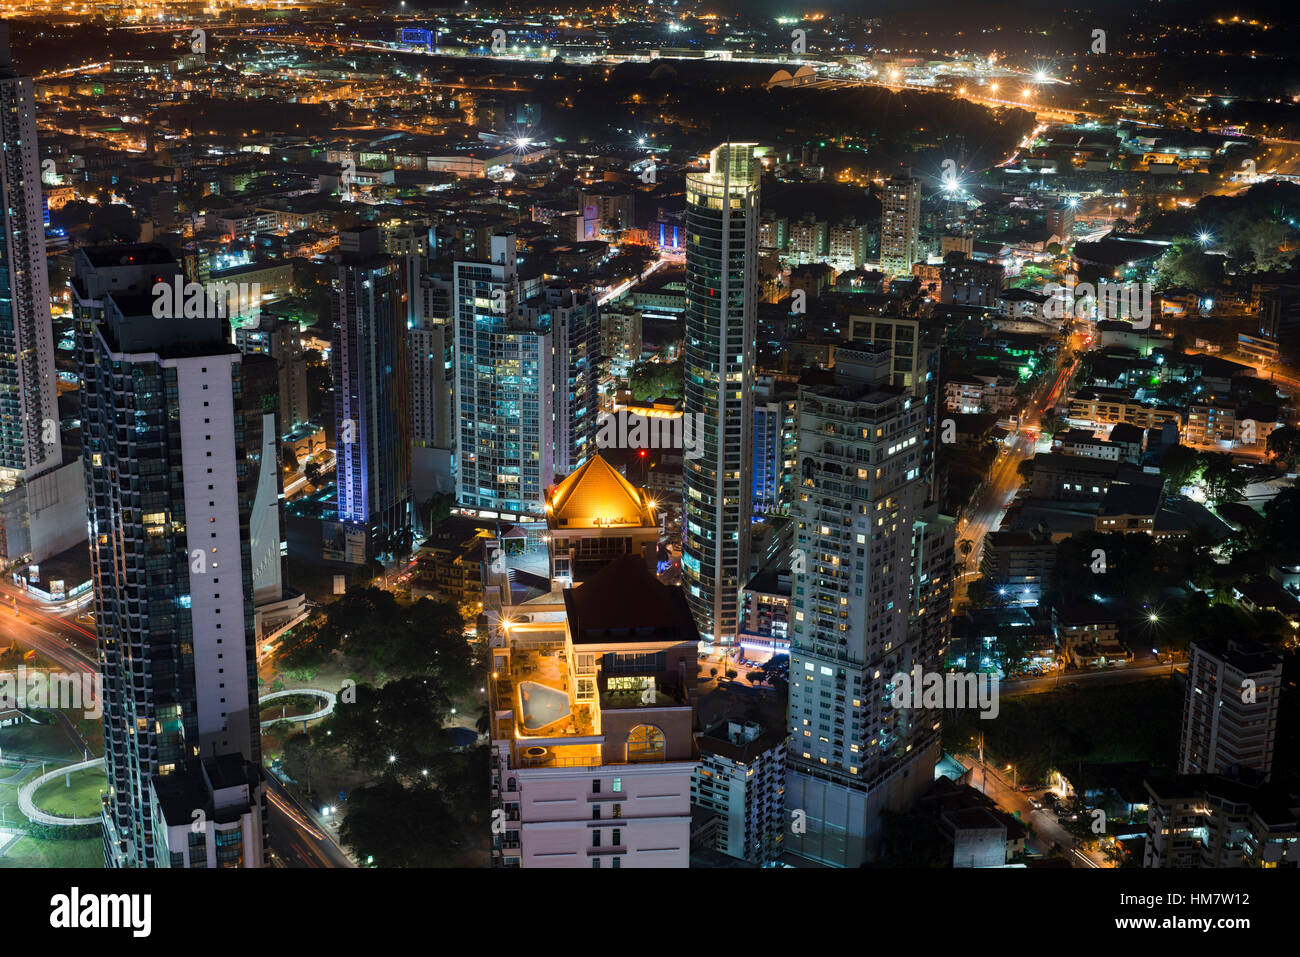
[(372, 392), (900, 225), (721, 299), (871, 598), (173, 459), (40, 498)]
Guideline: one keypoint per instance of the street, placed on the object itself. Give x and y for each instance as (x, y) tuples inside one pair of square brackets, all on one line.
[(1046, 829)]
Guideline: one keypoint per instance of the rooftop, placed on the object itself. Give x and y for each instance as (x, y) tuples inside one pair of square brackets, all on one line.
[(597, 496)]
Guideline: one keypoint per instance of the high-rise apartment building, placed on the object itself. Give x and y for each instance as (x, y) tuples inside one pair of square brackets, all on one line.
[(1230, 708), (721, 301), (574, 323), (900, 225), (433, 430), (1212, 820), (847, 245), (871, 595), (527, 379), (776, 437), (280, 339), (40, 496), (372, 392), (741, 780), (170, 494)]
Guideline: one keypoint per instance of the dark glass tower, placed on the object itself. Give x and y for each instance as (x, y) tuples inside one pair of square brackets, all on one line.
[(171, 465), (721, 297)]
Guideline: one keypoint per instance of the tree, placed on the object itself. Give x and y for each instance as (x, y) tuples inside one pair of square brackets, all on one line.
[(394, 730), (1222, 480), (1187, 264), (1266, 247), (1026, 470), (982, 593), (1283, 514), (428, 638), (1053, 423), (1180, 466), (428, 832), (1284, 445)]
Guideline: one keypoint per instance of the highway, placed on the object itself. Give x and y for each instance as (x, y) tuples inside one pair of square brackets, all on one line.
[(59, 639)]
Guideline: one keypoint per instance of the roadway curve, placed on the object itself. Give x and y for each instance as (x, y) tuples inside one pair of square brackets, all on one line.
[(28, 806), (331, 699)]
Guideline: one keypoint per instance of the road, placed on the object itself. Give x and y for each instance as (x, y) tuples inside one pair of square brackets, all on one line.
[(297, 837), (1047, 830), (1119, 675), (59, 639), (985, 511)]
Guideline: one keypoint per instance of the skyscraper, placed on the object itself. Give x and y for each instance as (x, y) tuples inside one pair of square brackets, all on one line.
[(721, 297), (40, 500), (501, 403), (372, 392), (1230, 708), (871, 597), (171, 484), (433, 425), (900, 225), (526, 383)]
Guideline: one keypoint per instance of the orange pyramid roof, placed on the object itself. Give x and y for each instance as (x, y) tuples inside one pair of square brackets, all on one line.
[(597, 496)]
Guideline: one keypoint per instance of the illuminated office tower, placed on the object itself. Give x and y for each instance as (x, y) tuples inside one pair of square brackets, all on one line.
[(171, 484), (871, 596), (40, 498), (721, 289), (372, 392), (900, 225)]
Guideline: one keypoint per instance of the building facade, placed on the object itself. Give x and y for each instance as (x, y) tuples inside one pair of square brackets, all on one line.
[(721, 299), (1230, 708), (372, 393), (900, 225), (871, 597), (169, 506), (39, 495)]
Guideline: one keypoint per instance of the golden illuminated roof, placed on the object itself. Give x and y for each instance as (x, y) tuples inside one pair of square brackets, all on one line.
[(597, 496)]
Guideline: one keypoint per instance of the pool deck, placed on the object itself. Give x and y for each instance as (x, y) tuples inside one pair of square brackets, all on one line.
[(549, 669)]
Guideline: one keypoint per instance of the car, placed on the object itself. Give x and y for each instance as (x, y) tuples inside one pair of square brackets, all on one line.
[(1036, 804)]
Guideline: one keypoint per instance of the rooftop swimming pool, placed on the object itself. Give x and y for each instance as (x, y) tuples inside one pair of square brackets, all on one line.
[(541, 705)]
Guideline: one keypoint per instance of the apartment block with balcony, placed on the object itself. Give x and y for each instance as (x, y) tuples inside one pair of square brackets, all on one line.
[(593, 715), (1210, 820), (1230, 708), (741, 780)]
